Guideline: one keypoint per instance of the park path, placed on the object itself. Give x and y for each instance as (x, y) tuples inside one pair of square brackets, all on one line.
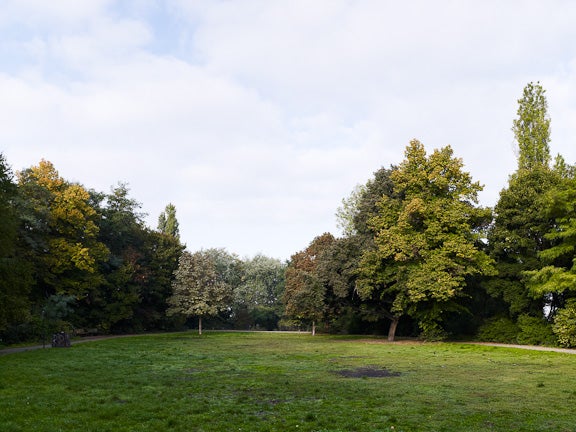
[(74, 342), (527, 347)]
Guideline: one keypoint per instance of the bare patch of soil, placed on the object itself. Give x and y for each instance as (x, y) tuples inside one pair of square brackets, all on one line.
[(368, 372)]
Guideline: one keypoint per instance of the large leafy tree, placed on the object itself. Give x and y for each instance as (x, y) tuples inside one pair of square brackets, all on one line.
[(555, 278), (14, 273), (304, 295), (160, 258), (426, 239), (354, 214), (337, 268), (110, 304), (517, 237), (199, 288), (61, 227), (138, 272)]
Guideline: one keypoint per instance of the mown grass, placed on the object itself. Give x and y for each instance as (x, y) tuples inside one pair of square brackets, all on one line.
[(284, 382)]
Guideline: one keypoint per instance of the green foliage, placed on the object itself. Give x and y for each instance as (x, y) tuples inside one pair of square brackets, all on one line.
[(431, 331), (304, 292), (427, 235), (66, 253), (535, 331), (160, 261), (259, 291), (532, 128), (381, 185), (111, 305), (519, 235), (348, 211), (59, 306), (199, 288), (265, 317), (528, 330), (167, 222), (15, 280), (559, 273), (499, 329), (565, 325)]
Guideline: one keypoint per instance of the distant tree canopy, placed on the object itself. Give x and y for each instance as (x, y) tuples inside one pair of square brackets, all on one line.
[(304, 292), (75, 259), (199, 289)]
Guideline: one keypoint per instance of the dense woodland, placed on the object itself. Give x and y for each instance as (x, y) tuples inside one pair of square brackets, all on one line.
[(419, 257)]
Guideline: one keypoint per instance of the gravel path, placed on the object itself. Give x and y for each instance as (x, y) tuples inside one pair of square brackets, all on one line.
[(527, 347)]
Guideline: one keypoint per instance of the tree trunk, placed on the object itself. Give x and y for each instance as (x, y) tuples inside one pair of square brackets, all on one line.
[(200, 325), (313, 328), (392, 330)]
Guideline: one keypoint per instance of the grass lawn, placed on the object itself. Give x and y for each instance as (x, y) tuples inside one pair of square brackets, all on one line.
[(284, 382)]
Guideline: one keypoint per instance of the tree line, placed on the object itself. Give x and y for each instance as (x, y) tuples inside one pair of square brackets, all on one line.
[(418, 256), (78, 260)]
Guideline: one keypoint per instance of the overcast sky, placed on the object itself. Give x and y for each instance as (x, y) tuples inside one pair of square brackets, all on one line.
[(255, 118)]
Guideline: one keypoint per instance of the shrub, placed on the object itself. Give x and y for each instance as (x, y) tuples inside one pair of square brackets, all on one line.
[(535, 331), (565, 325), (499, 329), (431, 331)]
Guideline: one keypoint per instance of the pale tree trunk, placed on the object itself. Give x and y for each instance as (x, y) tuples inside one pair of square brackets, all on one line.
[(200, 325), (392, 330), (313, 328)]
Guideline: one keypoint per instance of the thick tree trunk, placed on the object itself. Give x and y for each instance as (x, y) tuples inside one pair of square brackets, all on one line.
[(199, 325), (313, 328), (392, 330)]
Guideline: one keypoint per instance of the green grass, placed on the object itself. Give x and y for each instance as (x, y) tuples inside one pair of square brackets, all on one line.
[(284, 382)]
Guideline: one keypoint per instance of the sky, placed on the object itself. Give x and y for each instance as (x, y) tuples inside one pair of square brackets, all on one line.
[(255, 118)]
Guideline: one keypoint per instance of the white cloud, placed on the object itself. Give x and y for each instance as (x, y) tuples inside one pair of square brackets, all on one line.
[(56, 16), (256, 118)]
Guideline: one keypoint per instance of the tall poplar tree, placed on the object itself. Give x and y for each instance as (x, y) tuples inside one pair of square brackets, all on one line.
[(532, 128), (167, 222), (518, 233)]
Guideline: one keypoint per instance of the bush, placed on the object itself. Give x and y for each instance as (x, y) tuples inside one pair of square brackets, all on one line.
[(431, 331), (565, 325), (499, 329), (535, 331)]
